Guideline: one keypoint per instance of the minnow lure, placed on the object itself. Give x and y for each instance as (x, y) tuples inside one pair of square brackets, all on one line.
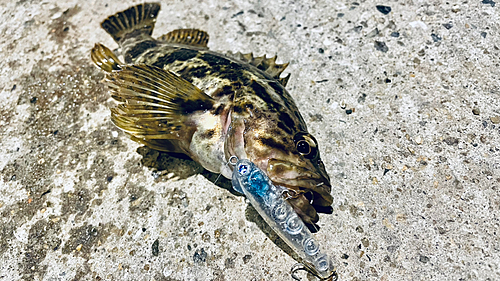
[(274, 208)]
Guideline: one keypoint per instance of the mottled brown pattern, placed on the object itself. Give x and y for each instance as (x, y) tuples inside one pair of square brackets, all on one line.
[(246, 111)]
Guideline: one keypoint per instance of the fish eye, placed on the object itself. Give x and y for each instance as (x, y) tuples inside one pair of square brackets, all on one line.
[(303, 147), (306, 145)]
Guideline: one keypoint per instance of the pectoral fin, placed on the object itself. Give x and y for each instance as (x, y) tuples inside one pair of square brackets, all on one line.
[(155, 104), (104, 58)]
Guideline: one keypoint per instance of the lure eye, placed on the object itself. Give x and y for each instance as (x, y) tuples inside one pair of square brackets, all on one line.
[(243, 169), (306, 145)]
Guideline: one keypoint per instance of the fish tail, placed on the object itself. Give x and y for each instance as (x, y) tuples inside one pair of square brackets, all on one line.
[(140, 18)]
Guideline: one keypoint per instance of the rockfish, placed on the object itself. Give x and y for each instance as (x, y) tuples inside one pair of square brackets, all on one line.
[(176, 95)]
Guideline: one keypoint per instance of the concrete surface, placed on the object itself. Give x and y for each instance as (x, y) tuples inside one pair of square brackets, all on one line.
[(405, 107)]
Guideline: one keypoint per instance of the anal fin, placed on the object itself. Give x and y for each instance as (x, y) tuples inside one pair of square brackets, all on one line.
[(104, 58), (191, 37), (155, 104)]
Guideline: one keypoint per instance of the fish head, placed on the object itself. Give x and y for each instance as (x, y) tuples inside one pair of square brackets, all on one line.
[(300, 160), (267, 129), (300, 165), (293, 162)]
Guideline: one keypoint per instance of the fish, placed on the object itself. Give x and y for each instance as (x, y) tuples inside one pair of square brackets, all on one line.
[(176, 95), (267, 199)]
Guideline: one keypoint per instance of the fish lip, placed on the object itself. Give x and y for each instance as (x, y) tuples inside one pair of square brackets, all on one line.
[(301, 177), (306, 183), (273, 165)]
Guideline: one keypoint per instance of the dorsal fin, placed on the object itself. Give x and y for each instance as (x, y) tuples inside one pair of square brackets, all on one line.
[(268, 65), (104, 58), (140, 18), (284, 80), (191, 37)]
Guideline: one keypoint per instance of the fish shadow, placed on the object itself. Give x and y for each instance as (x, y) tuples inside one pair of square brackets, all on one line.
[(253, 216), (180, 166), (184, 167)]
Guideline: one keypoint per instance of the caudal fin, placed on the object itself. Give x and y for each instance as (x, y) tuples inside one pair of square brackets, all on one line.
[(140, 18)]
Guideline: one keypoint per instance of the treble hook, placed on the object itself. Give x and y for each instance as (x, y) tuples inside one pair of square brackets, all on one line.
[(292, 193), (296, 267), (300, 266)]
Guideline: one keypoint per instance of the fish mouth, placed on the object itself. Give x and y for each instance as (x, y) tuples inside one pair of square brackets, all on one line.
[(307, 188), (302, 180)]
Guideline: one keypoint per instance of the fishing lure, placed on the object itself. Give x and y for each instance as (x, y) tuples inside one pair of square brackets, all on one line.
[(270, 202)]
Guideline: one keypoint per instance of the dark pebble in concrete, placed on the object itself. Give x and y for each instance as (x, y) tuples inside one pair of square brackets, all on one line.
[(490, 2), (448, 25), (200, 256), (246, 258), (155, 248), (384, 9), (381, 46), (451, 141), (435, 37), (424, 259)]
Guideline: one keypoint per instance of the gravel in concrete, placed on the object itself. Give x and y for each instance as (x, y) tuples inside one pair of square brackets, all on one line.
[(403, 97)]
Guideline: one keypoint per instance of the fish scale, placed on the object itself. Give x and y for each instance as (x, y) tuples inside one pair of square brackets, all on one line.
[(176, 95)]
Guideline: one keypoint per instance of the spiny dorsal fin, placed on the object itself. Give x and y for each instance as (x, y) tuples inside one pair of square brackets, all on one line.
[(104, 58), (192, 37), (268, 65), (284, 80), (155, 103), (140, 18)]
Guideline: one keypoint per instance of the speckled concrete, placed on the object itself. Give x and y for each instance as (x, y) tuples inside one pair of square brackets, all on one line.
[(405, 106)]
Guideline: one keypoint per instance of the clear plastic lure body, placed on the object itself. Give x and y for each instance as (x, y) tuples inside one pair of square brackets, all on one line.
[(268, 200)]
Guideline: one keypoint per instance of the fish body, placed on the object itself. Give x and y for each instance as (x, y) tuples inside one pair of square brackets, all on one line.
[(268, 200), (176, 95)]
